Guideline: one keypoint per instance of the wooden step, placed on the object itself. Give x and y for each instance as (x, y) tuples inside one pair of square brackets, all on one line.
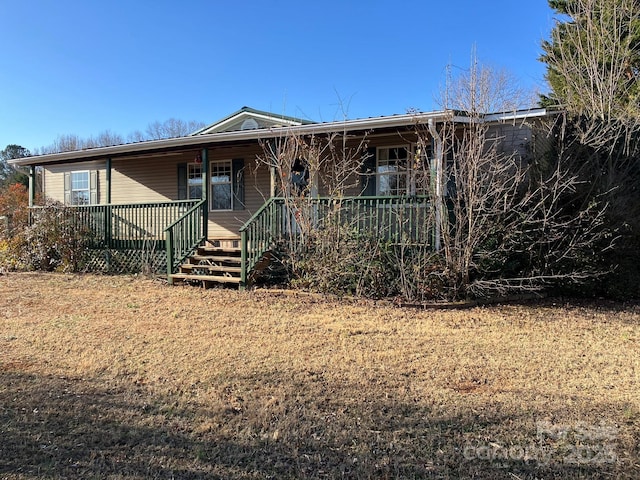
[(232, 242), (215, 258), (220, 268), (205, 278), (206, 249)]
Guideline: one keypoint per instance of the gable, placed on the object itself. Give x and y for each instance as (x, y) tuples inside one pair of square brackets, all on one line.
[(250, 119)]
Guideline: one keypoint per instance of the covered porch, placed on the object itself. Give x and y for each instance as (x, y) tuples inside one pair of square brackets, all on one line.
[(210, 206), (171, 237)]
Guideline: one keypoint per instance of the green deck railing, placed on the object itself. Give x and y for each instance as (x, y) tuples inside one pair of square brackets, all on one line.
[(184, 235), (127, 226), (258, 235), (407, 220)]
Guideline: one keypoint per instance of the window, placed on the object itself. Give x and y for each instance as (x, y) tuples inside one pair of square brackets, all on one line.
[(80, 192), (81, 187), (221, 185), (194, 181), (391, 170)]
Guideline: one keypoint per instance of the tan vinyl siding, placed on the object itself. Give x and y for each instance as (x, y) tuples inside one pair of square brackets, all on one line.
[(156, 180), (147, 179), (53, 179)]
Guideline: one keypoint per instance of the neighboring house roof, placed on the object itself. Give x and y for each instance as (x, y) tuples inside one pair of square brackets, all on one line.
[(251, 119), (202, 139)]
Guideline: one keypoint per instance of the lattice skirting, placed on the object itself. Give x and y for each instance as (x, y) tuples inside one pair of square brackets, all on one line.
[(125, 261)]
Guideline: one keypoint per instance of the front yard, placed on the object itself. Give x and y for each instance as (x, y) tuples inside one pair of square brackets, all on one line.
[(123, 377)]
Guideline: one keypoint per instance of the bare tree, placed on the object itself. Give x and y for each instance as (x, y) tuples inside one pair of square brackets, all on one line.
[(155, 131), (103, 139), (72, 142), (63, 143), (508, 221), (324, 241), (306, 167), (171, 128), (484, 89)]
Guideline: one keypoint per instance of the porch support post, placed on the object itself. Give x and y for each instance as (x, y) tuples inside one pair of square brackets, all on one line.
[(108, 181), (439, 197), (272, 167), (205, 194), (32, 185), (272, 188)]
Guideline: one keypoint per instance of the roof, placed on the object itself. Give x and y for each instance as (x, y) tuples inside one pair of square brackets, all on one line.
[(202, 140), (261, 119)]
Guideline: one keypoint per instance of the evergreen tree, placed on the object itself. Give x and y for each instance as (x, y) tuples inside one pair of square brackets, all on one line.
[(593, 59), (8, 174), (593, 70)]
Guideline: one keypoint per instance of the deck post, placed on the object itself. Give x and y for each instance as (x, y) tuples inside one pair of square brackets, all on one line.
[(106, 225), (32, 185), (107, 211), (205, 194), (108, 180), (243, 260), (169, 245)]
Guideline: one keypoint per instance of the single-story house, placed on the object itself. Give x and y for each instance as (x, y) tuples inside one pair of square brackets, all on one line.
[(208, 205)]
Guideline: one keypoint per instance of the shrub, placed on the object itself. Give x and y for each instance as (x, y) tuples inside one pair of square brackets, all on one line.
[(56, 240), (14, 209), (338, 259)]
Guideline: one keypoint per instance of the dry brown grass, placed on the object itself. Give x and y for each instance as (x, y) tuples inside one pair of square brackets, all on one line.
[(117, 377)]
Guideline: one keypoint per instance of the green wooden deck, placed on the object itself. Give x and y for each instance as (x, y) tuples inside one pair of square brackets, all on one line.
[(177, 229)]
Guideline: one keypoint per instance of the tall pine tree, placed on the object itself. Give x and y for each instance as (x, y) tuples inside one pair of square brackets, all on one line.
[(593, 59), (593, 71)]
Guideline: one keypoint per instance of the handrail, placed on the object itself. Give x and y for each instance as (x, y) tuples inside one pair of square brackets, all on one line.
[(256, 237), (183, 236)]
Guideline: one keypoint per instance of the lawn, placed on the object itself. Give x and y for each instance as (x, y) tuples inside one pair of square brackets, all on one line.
[(123, 377)]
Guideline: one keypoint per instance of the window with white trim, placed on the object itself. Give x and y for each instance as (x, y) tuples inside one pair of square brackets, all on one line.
[(80, 188), (221, 185), (391, 170), (194, 181)]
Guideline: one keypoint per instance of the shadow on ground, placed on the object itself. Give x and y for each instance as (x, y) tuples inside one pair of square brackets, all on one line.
[(71, 428)]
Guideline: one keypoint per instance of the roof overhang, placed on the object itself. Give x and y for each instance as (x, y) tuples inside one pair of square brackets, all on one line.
[(503, 117), (247, 136), (210, 140)]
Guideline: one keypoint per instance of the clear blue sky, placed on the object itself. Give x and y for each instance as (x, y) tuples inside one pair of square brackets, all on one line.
[(86, 66)]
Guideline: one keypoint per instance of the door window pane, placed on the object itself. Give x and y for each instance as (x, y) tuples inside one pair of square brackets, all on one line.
[(194, 181)]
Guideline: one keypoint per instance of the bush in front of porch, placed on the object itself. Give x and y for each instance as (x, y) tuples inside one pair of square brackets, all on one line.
[(53, 241)]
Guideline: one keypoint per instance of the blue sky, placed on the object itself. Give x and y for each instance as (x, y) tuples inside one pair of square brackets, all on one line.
[(83, 67)]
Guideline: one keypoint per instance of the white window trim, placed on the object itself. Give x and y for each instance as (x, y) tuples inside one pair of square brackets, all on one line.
[(411, 187), (409, 149), (189, 165), (88, 189), (210, 185)]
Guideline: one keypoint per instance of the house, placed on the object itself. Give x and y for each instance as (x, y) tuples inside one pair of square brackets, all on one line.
[(209, 206)]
